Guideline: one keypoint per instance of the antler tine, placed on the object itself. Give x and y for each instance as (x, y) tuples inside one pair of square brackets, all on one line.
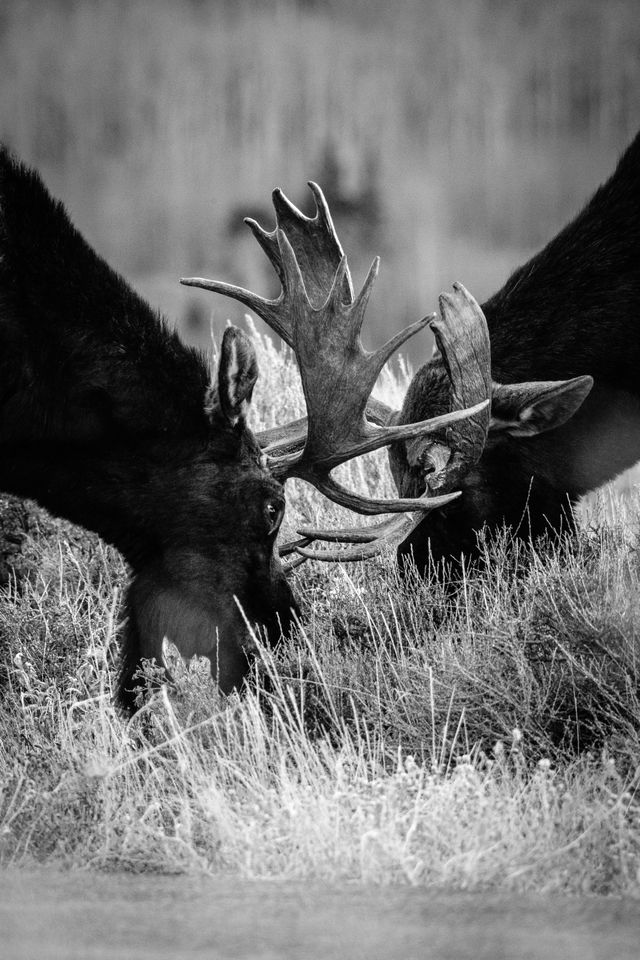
[(323, 214), (290, 563), (278, 314), (462, 338), (292, 436), (317, 252), (358, 307), (294, 293), (313, 239), (386, 351), (367, 542), (268, 243), (354, 501), (286, 210), (287, 218), (270, 310), (463, 350), (315, 242), (292, 546), (335, 295), (372, 439)]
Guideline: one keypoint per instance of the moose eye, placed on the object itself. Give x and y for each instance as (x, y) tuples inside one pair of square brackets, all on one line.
[(274, 512)]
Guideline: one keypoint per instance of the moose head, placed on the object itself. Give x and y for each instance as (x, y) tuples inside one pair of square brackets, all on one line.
[(318, 316), (519, 460), (109, 420), (565, 390)]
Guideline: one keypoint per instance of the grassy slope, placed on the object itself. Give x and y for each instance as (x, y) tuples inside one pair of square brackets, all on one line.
[(402, 738), (398, 738)]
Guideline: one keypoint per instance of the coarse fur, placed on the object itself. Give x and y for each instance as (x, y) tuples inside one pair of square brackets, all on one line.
[(572, 311), (109, 420)]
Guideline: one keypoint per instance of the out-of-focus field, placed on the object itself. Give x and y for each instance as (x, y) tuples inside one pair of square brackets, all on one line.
[(452, 136), (49, 915)]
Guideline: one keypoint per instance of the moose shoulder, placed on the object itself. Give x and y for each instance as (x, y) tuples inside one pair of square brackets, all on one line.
[(565, 361)]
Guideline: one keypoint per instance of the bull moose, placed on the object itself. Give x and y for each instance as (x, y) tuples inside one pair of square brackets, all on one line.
[(564, 335), (557, 351), (109, 420)]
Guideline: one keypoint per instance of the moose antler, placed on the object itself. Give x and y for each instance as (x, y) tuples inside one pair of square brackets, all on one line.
[(462, 340), (317, 315)]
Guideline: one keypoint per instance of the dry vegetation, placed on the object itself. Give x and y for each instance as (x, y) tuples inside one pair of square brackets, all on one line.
[(487, 740)]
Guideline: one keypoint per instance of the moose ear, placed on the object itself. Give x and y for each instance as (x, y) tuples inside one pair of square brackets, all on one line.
[(237, 375), (525, 409)]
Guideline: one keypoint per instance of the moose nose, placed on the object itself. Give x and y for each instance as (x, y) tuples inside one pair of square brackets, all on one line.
[(434, 459)]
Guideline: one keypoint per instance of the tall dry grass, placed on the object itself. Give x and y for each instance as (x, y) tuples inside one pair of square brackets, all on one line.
[(482, 740)]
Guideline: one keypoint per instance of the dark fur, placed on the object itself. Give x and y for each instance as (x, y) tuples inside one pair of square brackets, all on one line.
[(573, 309), (102, 421)]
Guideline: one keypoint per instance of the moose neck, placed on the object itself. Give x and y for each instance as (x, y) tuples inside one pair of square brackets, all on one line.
[(573, 308)]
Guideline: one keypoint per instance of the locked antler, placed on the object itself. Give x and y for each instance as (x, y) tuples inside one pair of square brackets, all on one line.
[(317, 315), (442, 457)]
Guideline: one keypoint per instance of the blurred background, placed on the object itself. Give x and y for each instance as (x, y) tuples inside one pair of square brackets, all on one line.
[(452, 137)]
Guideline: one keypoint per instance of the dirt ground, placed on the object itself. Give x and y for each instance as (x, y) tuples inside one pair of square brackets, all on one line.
[(89, 916)]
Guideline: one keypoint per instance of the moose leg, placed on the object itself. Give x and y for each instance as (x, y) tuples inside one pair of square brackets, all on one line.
[(131, 685), (135, 650)]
